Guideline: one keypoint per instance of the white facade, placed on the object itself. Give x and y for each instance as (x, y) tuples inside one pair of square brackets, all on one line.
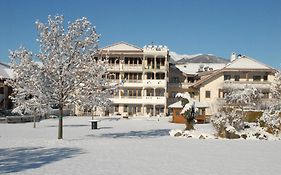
[(144, 73)]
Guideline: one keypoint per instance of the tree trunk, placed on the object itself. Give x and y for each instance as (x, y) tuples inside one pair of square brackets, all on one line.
[(60, 134), (34, 121), (189, 124)]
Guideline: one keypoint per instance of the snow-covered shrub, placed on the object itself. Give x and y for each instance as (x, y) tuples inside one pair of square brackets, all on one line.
[(189, 109), (271, 122), (227, 124)]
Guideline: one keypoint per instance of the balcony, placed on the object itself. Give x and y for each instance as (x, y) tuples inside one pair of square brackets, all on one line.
[(157, 67), (132, 67), (159, 100), (133, 83), (180, 85), (113, 67), (240, 84), (140, 100), (154, 83)]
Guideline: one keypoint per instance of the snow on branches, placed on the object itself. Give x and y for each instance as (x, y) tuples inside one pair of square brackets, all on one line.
[(246, 95), (70, 71), (271, 121), (27, 95), (189, 109), (276, 88)]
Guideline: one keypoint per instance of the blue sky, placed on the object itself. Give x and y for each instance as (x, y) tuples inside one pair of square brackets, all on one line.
[(250, 27)]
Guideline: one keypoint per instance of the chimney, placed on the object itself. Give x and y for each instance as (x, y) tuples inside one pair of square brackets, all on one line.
[(233, 56)]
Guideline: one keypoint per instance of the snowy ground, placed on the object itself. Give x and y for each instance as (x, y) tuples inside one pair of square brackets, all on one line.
[(140, 146)]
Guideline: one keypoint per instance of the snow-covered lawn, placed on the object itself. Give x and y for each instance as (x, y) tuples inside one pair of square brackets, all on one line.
[(135, 146)]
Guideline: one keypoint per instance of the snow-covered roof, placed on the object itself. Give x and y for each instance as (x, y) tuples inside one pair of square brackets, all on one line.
[(193, 68), (197, 104), (121, 46), (238, 64), (5, 71), (246, 62)]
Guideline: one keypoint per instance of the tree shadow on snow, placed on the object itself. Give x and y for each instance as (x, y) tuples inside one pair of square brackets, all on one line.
[(74, 125), (18, 159), (137, 134)]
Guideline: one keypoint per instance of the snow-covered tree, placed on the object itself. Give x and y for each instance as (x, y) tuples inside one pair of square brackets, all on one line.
[(241, 97), (27, 96), (228, 120), (189, 109), (271, 121), (276, 88), (69, 72)]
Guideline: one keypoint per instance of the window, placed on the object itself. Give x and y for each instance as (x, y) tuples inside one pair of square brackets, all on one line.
[(190, 79), (256, 78), (265, 78), (163, 62), (139, 92), (126, 76), (227, 77), (117, 76), (236, 77), (220, 94), (150, 76), (207, 94), (116, 108), (138, 108), (126, 60), (139, 76), (125, 108), (130, 93), (135, 60), (160, 76)]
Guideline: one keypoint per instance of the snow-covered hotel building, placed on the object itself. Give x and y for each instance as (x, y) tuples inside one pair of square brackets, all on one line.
[(144, 73), (150, 82), (240, 72), (211, 81)]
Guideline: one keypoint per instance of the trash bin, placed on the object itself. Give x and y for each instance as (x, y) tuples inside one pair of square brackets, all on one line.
[(94, 124)]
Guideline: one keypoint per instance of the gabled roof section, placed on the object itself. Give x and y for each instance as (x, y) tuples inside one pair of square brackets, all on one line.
[(5, 71), (198, 83), (121, 46), (243, 63), (246, 63)]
